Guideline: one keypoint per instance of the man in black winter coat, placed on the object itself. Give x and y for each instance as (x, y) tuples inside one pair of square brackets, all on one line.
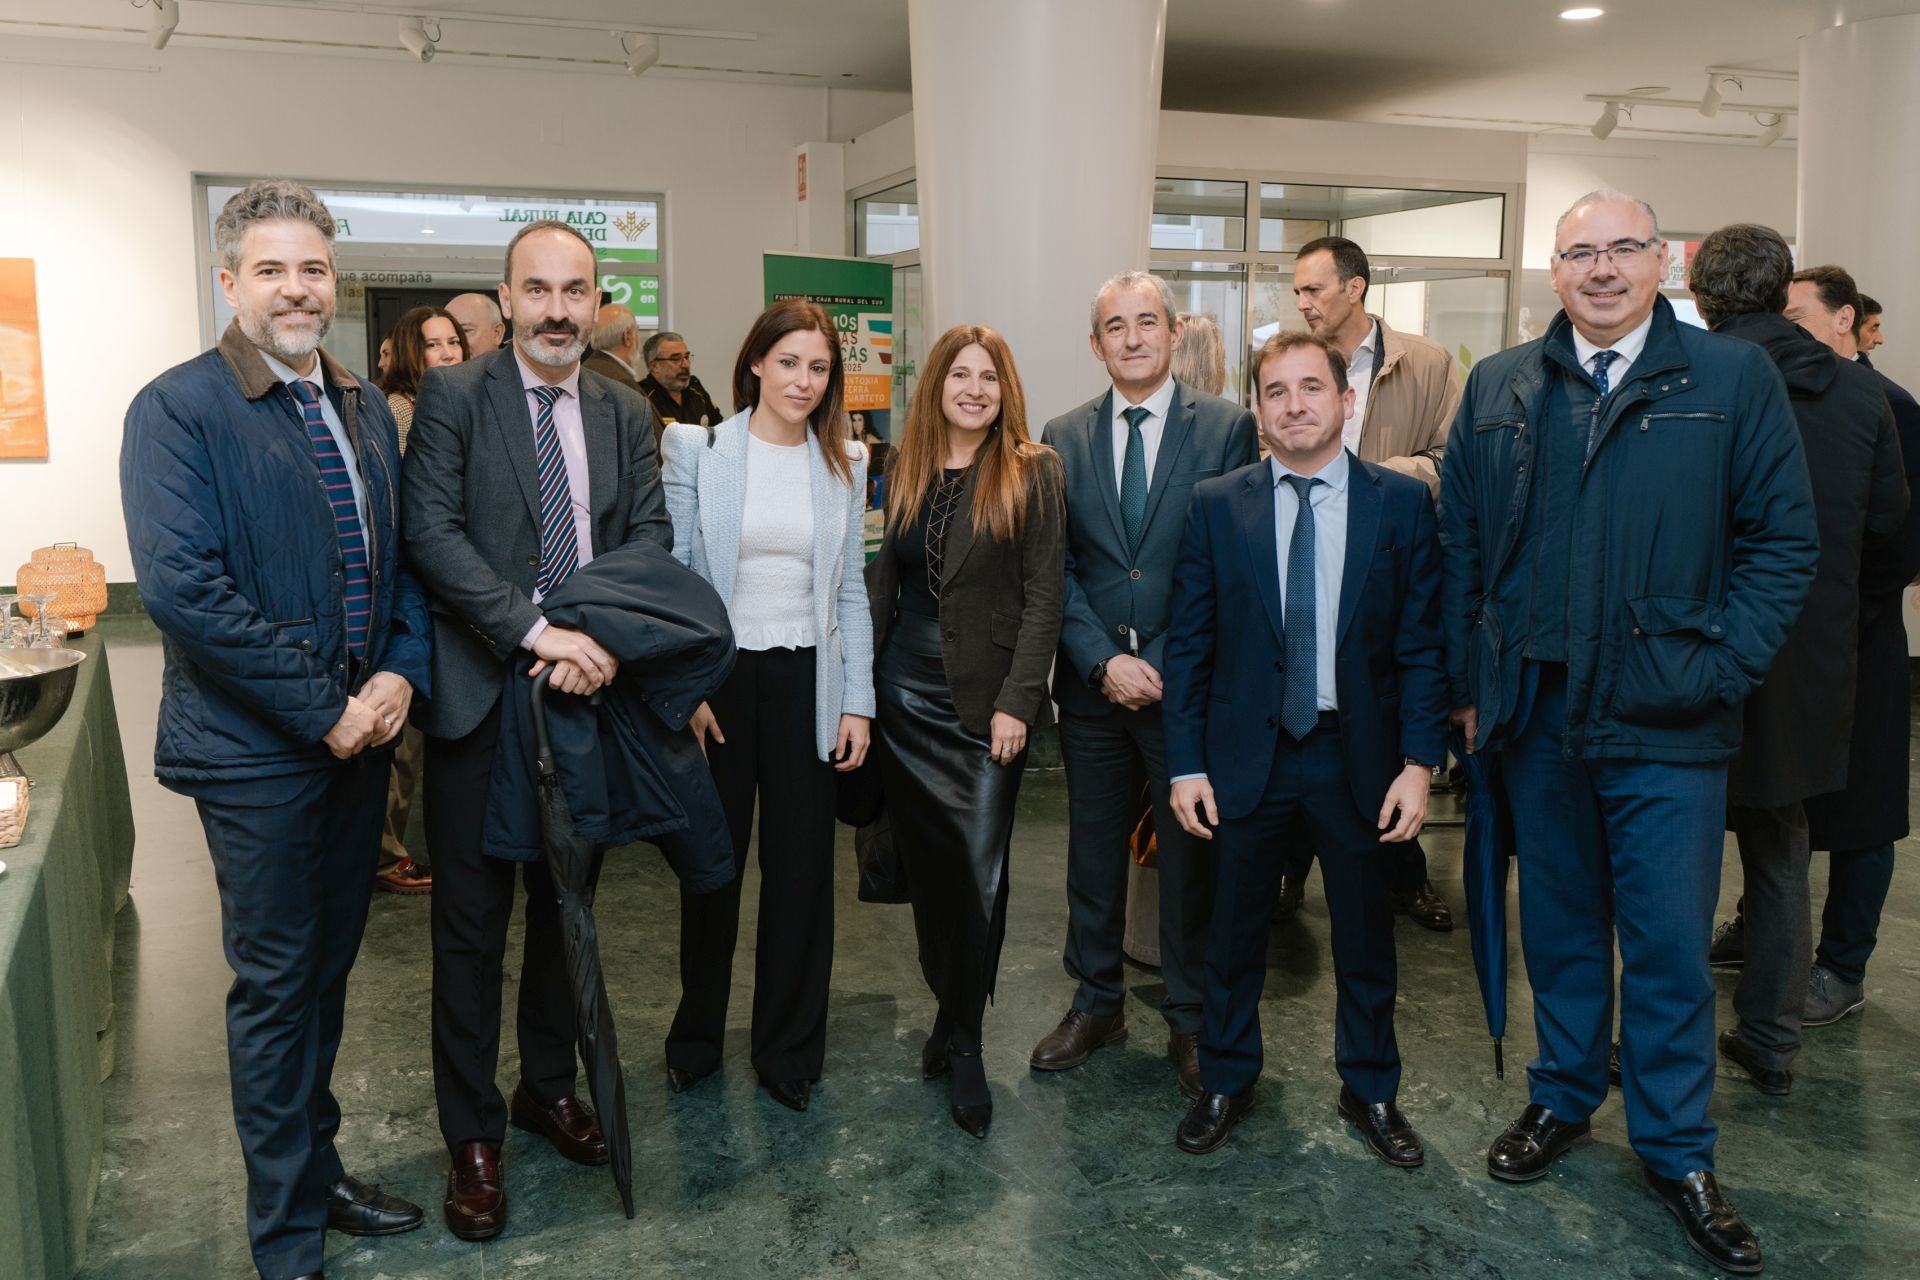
[(1799, 721), (1859, 825)]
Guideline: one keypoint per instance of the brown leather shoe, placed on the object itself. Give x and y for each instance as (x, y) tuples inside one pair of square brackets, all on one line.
[(567, 1124), (1074, 1040), (476, 1203), (405, 876), (1183, 1051)]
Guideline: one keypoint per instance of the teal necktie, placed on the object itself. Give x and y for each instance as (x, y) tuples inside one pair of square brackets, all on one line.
[(1133, 476)]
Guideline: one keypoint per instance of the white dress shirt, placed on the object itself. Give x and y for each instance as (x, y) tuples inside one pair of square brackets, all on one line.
[(337, 428), (1360, 368), (1625, 352), (1329, 499), (1151, 430)]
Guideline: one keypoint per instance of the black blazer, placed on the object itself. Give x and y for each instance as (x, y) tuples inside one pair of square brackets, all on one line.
[(1225, 676), (999, 604), (470, 512), (1110, 591)]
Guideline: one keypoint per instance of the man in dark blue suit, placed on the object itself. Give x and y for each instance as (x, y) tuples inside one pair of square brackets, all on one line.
[(1321, 707), (1132, 457)]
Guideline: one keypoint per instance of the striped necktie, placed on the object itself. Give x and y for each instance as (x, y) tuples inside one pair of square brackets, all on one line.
[(346, 515), (559, 543)]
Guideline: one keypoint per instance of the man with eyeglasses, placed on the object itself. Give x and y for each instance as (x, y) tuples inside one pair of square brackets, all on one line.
[(675, 393), (1627, 534)]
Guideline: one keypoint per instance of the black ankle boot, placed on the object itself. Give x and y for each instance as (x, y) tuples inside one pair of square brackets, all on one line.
[(972, 1103)]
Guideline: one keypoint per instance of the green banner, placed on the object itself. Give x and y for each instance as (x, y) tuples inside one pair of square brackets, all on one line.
[(858, 295), (639, 293)]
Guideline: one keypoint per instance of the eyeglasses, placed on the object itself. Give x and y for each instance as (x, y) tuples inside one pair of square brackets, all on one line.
[(685, 357), (1622, 252)]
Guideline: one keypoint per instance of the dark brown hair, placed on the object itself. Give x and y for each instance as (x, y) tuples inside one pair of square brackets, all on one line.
[(1291, 339), (409, 360), (1835, 286), (1739, 270), (829, 417), (1003, 468), (1349, 260)]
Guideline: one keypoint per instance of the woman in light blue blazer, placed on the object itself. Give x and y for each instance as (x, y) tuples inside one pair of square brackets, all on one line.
[(769, 511)]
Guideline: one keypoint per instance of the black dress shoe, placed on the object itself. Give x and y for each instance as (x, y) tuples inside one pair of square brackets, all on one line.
[(355, 1208), (1422, 902), (1532, 1143), (1729, 947), (1074, 1040), (1183, 1051), (972, 1105), (1208, 1122), (680, 1081), (1613, 1065), (1287, 904), (792, 1094), (1387, 1132), (1777, 1081), (1714, 1228)]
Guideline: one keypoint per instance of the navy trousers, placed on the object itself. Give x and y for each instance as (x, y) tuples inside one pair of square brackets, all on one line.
[(1106, 757), (1306, 792), (1857, 884), (1626, 851), (294, 858)]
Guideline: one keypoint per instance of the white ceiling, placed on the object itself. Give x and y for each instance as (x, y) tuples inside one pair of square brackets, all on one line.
[(1489, 63)]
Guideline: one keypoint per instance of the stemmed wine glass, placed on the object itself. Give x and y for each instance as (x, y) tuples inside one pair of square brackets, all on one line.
[(44, 636)]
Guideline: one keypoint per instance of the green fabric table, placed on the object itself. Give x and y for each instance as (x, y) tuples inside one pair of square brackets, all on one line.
[(63, 885)]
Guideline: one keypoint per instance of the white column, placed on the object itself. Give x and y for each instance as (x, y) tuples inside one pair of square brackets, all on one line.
[(820, 189), (1035, 125), (1860, 161)]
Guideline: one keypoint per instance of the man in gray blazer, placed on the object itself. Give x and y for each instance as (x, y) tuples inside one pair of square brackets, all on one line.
[(522, 467), (1132, 457)]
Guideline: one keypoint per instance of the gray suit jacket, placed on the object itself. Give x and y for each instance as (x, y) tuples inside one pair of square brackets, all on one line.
[(470, 513), (1116, 598)]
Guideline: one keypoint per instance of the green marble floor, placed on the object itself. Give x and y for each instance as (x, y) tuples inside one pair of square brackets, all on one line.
[(1079, 1178)]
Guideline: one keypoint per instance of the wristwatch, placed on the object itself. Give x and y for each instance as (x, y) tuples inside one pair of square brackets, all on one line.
[(1408, 762), (1099, 673)]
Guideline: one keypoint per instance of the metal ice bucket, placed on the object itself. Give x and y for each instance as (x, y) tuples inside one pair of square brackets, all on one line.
[(35, 687)]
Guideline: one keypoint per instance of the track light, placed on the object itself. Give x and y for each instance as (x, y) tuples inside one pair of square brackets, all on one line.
[(166, 16), (1776, 126), (1710, 100), (642, 51), (413, 38), (1608, 121)]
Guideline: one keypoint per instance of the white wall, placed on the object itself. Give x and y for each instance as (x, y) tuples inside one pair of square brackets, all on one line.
[(1693, 187), (96, 185), (1194, 140)]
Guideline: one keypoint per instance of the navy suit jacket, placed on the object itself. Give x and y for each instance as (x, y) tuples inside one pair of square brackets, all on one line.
[(1111, 592), (1225, 673)]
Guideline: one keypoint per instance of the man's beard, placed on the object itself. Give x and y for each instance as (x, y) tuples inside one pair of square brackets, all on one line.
[(677, 382), (284, 346), (540, 353)]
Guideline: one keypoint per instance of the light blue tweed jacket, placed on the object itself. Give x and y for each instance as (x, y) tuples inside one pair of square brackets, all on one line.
[(706, 488)]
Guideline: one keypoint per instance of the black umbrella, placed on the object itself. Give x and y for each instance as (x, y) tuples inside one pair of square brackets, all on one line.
[(1485, 860), (570, 862)]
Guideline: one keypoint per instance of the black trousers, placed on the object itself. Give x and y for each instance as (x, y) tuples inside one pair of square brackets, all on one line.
[(1307, 795), (1106, 757), (472, 902), (294, 858), (766, 710)]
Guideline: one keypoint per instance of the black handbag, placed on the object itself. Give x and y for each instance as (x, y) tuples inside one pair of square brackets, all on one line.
[(857, 798), (883, 873)]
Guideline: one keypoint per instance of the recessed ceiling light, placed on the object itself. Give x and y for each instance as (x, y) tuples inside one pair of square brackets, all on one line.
[(1581, 14), (427, 231)]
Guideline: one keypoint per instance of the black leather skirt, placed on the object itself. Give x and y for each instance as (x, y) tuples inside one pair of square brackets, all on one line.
[(952, 812)]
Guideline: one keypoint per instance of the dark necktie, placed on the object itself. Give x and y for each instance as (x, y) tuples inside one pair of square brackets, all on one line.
[(1300, 703), (346, 515), (1601, 359), (1133, 476), (559, 543)]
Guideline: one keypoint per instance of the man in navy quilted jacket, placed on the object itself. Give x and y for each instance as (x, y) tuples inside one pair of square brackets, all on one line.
[(260, 482)]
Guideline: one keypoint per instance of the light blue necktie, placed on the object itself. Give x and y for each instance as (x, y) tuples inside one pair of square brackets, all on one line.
[(1300, 703), (1133, 476), (559, 543)]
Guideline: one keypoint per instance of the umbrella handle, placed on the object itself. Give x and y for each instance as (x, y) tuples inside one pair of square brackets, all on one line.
[(542, 742)]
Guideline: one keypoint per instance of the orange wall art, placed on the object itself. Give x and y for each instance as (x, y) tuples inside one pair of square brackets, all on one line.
[(23, 401)]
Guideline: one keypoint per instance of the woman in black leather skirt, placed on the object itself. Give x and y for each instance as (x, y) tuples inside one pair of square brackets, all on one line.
[(966, 594)]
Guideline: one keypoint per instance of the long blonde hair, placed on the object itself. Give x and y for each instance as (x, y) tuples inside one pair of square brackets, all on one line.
[(1200, 358), (1002, 467)]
